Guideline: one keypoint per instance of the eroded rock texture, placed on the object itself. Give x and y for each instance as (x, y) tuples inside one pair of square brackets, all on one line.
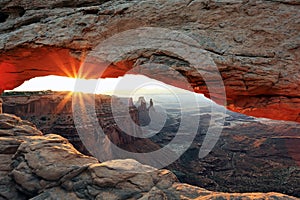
[(251, 155), (33, 166), (52, 112), (255, 44)]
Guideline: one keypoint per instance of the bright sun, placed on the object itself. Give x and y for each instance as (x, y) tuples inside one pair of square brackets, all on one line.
[(127, 86), (122, 86)]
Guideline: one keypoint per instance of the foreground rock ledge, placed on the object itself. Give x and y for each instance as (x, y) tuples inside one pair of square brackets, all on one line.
[(255, 44), (48, 167)]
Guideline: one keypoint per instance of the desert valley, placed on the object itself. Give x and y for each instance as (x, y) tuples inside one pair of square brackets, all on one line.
[(211, 111)]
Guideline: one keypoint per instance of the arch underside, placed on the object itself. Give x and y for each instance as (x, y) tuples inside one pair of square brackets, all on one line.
[(258, 60)]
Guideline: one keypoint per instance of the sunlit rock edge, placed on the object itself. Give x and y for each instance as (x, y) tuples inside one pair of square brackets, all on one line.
[(48, 167)]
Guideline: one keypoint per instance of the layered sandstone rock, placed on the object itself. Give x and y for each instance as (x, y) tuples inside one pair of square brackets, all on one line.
[(52, 112), (12, 130), (48, 167), (255, 45), (251, 154)]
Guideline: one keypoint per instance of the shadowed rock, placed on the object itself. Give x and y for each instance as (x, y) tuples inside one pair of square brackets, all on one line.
[(57, 114), (143, 111), (48, 167), (254, 44)]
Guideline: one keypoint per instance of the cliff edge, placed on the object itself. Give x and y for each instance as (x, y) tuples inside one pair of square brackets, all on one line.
[(33, 166)]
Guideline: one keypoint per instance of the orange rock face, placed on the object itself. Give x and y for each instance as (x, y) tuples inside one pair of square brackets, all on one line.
[(257, 55), (45, 61), (35, 62)]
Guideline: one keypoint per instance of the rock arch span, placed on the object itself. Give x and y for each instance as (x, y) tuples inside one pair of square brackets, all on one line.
[(255, 45)]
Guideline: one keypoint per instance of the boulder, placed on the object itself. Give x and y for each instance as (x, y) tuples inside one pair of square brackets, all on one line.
[(48, 167)]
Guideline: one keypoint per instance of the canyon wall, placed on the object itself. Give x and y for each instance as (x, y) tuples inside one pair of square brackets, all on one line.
[(254, 44), (52, 112), (31, 167), (251, 155)]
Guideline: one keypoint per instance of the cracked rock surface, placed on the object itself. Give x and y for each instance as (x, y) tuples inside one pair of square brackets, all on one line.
[(34, 166), (254, 44), (252, 154)]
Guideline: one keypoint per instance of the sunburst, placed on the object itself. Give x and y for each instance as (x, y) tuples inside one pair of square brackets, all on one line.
[(70, 69), (67, 97), (68, 66)]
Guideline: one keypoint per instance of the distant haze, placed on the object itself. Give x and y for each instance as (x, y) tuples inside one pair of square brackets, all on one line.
[(129, 85)]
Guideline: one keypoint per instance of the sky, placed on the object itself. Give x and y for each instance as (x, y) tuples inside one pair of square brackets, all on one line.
[(127, 85)]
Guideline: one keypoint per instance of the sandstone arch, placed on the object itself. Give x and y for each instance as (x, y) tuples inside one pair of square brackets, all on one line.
[(254, 44)]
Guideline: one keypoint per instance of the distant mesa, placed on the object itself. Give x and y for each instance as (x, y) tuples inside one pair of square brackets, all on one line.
[(245, 143), (52, 112), (27, 93)]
